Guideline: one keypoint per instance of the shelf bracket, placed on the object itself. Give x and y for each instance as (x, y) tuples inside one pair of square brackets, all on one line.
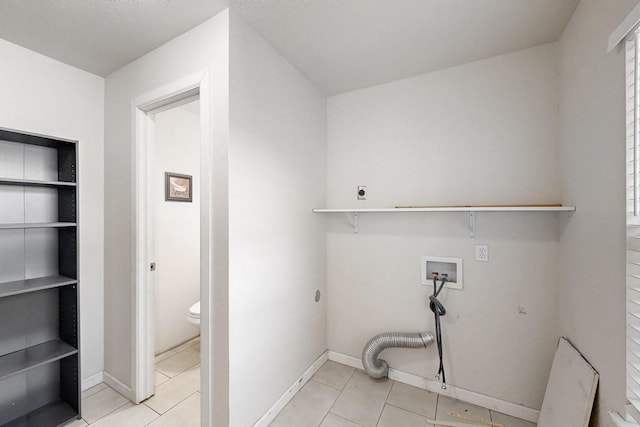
[(353, 218), (472, 225)]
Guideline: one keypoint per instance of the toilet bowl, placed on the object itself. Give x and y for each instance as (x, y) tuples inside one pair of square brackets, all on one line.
[(194, 314)]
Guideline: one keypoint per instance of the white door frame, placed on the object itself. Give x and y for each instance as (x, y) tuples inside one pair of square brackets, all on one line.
[(143, 292)]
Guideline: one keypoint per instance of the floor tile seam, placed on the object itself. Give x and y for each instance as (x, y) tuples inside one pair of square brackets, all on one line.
[(186, 348), (95, 392), (176, 375), (385, 402), (145, 404), (329, 410), (165, 352), (158, 372), (155, 419), (113, 411), (165, 412), (408, 410), (340, 394), (342, 418), (171, 357), (327, 385), (183, 350)]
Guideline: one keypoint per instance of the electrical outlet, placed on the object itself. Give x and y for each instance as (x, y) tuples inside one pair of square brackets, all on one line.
[(362, 192), (482, 253)]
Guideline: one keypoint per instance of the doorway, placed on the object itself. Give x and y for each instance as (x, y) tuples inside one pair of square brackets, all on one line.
[(145, 108), (174, 250)]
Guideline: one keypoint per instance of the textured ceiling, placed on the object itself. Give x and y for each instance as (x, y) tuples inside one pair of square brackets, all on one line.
[(100, 36), (342, 45)]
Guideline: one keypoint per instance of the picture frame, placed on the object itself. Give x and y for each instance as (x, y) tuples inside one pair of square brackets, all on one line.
[(178, 187)]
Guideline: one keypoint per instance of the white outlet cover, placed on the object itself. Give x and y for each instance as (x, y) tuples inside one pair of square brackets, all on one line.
[(482, 253)]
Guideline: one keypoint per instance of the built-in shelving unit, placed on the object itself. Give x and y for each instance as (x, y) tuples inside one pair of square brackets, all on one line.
[(39, 330), (471, 210)]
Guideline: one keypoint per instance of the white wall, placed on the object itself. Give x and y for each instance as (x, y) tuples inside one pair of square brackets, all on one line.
[(45, 96), (177, 226), (277, 246), (204, 47), (481, 133), (592, 151)]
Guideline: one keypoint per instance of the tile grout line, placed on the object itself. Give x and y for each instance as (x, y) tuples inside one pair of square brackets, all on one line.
[(162, 415), (338, 397), (109, 413), (328, 410), (145, 404), (406, 410), (95, 392), (385, 401), (178, 373), (165, 412), (340, 394)]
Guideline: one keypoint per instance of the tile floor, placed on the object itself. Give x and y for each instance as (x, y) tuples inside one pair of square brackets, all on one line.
[(341, 396), (176, 402), (336, 396)]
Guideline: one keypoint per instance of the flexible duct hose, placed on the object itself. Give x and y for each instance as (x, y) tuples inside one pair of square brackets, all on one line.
[(378, 368)]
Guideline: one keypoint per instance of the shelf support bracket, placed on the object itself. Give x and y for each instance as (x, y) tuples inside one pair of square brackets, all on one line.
[(353, 218), (472, 225)]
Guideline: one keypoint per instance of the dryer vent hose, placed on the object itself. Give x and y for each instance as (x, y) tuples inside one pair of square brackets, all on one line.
[(378, 368)]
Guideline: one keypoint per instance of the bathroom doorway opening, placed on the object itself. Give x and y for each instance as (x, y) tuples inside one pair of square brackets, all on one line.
[(185, 181), (174, 248)]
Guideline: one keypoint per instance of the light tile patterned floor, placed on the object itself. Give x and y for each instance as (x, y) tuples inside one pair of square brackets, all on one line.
[(341, 396), (336, 396), (176, 402)]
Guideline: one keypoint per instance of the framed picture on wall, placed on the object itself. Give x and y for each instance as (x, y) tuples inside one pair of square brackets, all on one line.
[(177, 187)]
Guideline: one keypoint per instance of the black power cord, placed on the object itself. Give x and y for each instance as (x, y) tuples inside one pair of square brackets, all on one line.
[(438, 310)]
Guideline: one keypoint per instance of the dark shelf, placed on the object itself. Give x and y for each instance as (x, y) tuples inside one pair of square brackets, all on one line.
[(33, 285), (34, 139), (31, 357), (53, 414), (36, 183)]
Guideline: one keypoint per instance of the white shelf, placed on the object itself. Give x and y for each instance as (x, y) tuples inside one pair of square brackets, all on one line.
[(514, 208), (471, 210)]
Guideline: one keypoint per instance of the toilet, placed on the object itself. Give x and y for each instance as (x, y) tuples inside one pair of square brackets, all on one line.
[(194, 314)]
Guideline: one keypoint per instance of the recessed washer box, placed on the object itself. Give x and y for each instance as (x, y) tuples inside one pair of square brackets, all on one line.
[(451, 267)]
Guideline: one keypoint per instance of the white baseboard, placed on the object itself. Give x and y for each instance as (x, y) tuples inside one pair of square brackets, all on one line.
[(288, 395), (118, 386), (492, 403), (91, 381)]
